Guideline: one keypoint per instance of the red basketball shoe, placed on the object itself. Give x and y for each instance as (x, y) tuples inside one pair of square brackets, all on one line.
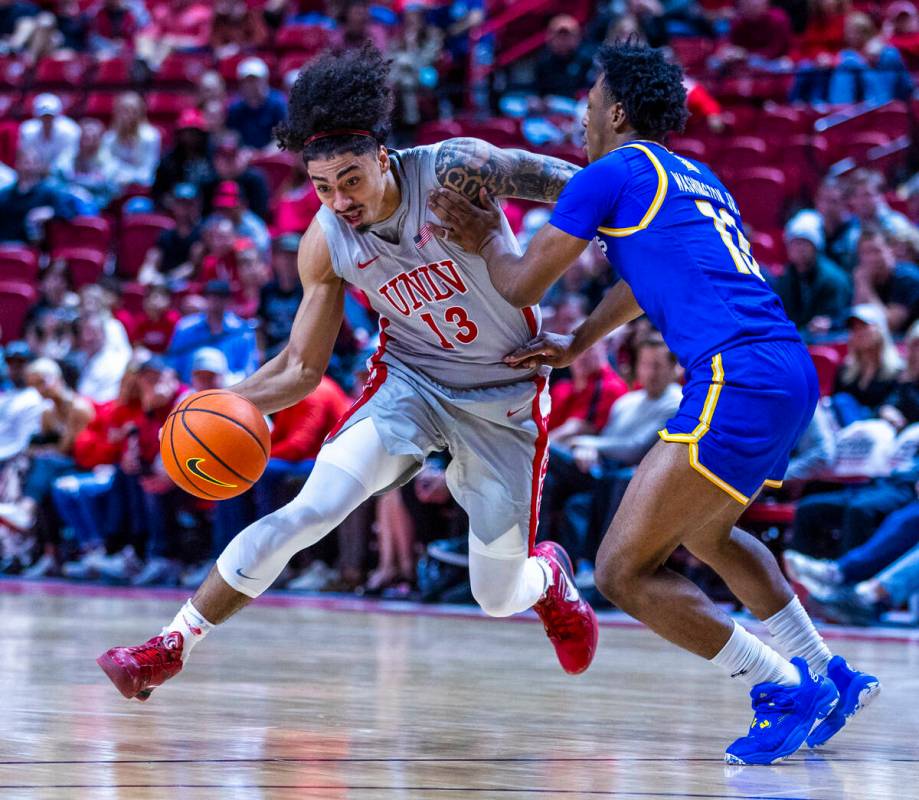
[(137, 671), (570, 622)]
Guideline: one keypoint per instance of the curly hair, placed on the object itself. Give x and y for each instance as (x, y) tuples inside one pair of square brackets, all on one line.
[(339, 91), (649, 88)]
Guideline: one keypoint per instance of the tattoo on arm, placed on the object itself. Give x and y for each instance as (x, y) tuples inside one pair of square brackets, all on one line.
[(465, 165)]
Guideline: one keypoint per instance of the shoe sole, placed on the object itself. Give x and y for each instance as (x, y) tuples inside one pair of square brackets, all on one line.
[(789, 747), (116, 674), (866, 696)]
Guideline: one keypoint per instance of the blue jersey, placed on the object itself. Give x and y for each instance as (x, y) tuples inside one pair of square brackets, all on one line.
[(674, 233)]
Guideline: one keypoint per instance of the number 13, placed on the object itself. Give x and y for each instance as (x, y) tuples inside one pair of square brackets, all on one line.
[(743, 258)]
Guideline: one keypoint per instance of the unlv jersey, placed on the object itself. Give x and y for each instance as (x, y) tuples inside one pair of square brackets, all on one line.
[(439, 312)]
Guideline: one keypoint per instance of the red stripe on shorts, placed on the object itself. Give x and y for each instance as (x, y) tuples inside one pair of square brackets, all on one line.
[(530, 316), (374, 381), (540, 459)]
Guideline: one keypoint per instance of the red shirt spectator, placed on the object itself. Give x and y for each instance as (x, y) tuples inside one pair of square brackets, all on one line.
[(153, 327), (114, 22), (296, 210), (760, 29), (825, 33), (300, 430), (183, 23), (582, 404)]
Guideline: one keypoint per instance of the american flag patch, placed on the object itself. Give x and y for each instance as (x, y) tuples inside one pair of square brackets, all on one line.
[(424, 236)]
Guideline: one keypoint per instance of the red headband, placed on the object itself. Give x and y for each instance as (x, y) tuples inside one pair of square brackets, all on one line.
[(337, 132)]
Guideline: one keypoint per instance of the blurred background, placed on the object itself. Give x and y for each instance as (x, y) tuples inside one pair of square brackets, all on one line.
[(148, 238)]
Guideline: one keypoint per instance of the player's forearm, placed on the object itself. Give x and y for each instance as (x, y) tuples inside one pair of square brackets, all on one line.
[(617, 307), (466, 165), (509, 275), (278, 384)]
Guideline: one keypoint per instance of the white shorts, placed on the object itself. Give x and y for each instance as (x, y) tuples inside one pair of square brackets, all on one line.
[(497, 437)]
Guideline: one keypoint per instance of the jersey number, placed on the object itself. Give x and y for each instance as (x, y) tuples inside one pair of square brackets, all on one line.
[(740, 252), (467, 332)]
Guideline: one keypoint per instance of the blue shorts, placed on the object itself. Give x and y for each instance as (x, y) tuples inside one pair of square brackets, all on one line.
[(742, 418)]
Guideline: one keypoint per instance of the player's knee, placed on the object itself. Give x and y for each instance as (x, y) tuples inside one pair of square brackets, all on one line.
[(618, 580), (493, 600)]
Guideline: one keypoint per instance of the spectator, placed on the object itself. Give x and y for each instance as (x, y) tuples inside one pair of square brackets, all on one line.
[(88, 180), (237, 26), (582, 404), (757, 30), (73, 24), (824, 33), (865, 199), (216, 327), (232, 164), (55, 293), (356, 27), (190, 160), (12, 14), (901, 408), (154, 326), (211, 87), (869, 372), (599, 468), (280, 298), (101, 366), (414, 55), (253, 275), (703, 105), (131, 148), (180, 25), (815, 292), (178, 251), (565, 66), (258, 109), (220, 247), (815, 452), (52, 137), (297, 204), (21, 406), (870, 70), (214, 113), (901, 28), (113, 28), (228, 202), (35, 36), (64, 415), (880, 280), (29, 200)]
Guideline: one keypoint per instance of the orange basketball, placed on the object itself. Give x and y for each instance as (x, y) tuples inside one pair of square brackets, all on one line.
[(215, 444)]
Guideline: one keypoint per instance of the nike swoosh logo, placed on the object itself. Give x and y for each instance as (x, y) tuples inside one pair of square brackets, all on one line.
[(522, 408), (240, 573), (365, 264), (194, 468)]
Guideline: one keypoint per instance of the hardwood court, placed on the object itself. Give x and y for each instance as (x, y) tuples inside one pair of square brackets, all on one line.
[(303, 701)]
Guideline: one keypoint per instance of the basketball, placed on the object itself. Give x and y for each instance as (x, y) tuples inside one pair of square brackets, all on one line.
[(215, 444)]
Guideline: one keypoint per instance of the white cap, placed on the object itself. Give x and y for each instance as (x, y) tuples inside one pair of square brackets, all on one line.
[(210, 359), (252, 68), (806, 225), (47, 104)]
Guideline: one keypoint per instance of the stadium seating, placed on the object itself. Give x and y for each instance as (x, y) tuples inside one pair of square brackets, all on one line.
[(16, 298), (84, 264), (18, 263), (138, 234), (89, 232)]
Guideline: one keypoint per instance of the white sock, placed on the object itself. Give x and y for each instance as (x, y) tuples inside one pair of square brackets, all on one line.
[(745, 656), (191, 624), (797, 636), (547, 574)]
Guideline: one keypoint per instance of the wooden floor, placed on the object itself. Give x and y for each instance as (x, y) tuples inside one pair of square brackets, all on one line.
[(304, 701)]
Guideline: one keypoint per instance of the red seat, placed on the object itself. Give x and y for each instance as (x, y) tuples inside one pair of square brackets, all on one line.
[(891, 118), (827, 361), (805, 159), (9, 140), (91, 232), (70, 72), (132, 297), (573, 153), (16, 298), (167, 106), (858, 145), (760, 193), (113, 73), (780, 123), (500, 131), (303, 38), (277, 168), (289, 63), (139, 233), (769, 249), (437, 131), (100, 105), (686, 146), (691, 51), (13, 73), (84, 265), (741, 153), (779, 514), (182, 70), (18, 263)]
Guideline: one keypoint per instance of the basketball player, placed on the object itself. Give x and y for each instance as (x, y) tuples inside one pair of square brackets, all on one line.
[(673, 232), (438, 380)]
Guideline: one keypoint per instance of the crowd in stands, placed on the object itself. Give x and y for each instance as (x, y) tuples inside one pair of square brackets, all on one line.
[(149, 231)]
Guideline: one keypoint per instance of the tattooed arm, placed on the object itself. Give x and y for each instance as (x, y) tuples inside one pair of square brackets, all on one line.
[(467, 165)]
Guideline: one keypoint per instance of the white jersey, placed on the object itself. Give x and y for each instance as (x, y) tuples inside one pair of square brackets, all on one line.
[(439, 312)]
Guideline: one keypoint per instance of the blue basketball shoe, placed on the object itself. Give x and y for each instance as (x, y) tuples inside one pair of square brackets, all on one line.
[(856, 690), (783, 717)]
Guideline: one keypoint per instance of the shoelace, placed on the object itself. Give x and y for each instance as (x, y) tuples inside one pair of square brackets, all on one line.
[(152, 654)]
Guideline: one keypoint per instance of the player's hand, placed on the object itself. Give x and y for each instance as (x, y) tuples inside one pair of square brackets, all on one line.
[(463, 223), (553, 349)]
